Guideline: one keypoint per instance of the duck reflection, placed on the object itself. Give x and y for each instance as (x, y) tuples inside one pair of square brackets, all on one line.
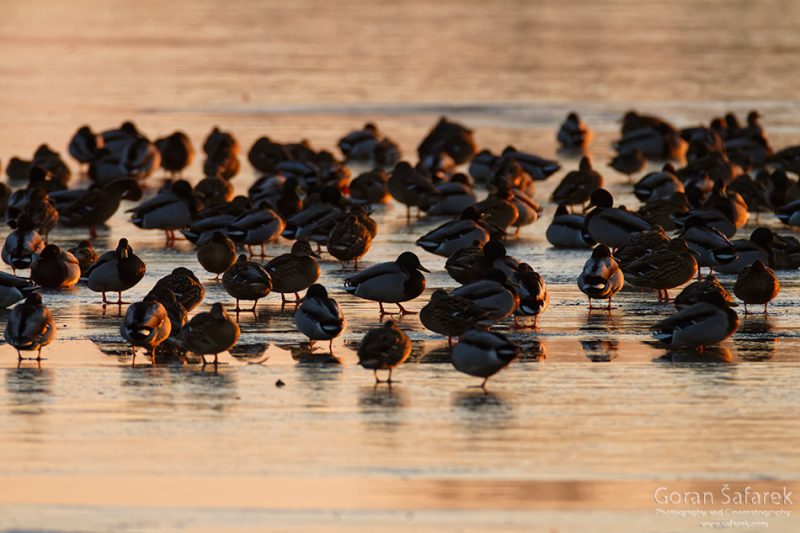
[(250, 352), (382, 406), (482, 410), (756, 339), (29, 388), (179, 386), (600, 350), (440, 354), (710, 355), (601, 322), (532, 348)]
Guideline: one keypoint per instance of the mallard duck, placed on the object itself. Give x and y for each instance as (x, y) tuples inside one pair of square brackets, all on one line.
[(14, 289), (661, 211), (221, 149), (513, 174), (574, 133), (661, 184), (216, 218), (708, 245), (216, 254), (55, 269), (306, 224), (30, 326), (384, 348), (116, 271), (391, 282), (654, 136), (247, 280), (629, 162), (473, 262), (495, 295), (139, 159), (256, 227), (609, 225), (455, 234), (175, 311), (447, 138), (702, 324), (451, 316), (601, 277), (537, 167), (498, 209), (171, 209), (97, 204), (697, 292), (213, 191), (85, 145), (713, 218), (146, 324), (319, 317), (641, 244), (533, 296), (578, 185), (748, 251), (454, 196), (22, 244), (371, 187), (663, 268), (185, 285), (295, 271), (787, 159), (265, 154), (34, 202), (786, 250), (568, 230), (210, 332), (58, 173), (176, 152), (527, 208), (757, 284), (483, 354), (368, 144), (411, 188), (349, 239)]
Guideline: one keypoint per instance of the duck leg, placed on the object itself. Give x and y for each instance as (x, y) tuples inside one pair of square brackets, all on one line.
[(330, 346), (404, 311), (203, 357), (483, 385), (766, 313), (389, 380), (133, 357), (383, 311), (153, 356), (375, 373)]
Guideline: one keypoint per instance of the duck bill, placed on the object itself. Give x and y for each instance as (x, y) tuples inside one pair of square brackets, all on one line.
[(420, 267)]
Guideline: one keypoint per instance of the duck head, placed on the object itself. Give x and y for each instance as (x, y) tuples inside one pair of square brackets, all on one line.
[(302, 248), (34, 299), (218, 311), (183, 271), (585, 164), (602, 198), (601, 251), (494, 249), (123, 249), (763, 237), (410, 261), (51, 251), (317, 291)]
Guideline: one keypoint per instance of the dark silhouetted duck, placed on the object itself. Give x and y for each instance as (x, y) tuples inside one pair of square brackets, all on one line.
[(411, 188), (391, 282), (384, 348), (748, 251), (483, 354), (319, 316), (176, 152), (708, 245), (578, 185), (30, 326), (533, 296), (14, 289), (574, 134), (85, 145), (247, 280), (349, 239), (699, 325), (698, 291), (455, 234), (146, 325), (664, 268), (660, 184), (568, 230), (54, 268), (94, 206), (757, 284), (629, 162), (184, 284), (371, 187), (217, 253), (212, 332), (609, 225), (601, 277), (450, 139), (116, 271), (256, 227), (451, 315), (171, 209), (368, 144), (295, 271), (22, 244), (265, 155), (454, 196)]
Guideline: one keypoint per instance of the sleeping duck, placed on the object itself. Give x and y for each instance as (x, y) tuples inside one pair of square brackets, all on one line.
[(483, 354), (30, 326), (94, 206), (22, 244), (247, 280), (455, 234), (212, 332), (171, 209), (384, 348), (391, 282), (116, 271), (601, 277), (319, 316), (176, 152), (295, 271), (146, 325), (14, 289), (55, 268), (699, 325)]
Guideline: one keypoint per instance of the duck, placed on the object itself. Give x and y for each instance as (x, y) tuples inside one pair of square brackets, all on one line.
[(14, 289), (116, 271), (30, 327), (184, 284), (537, 167), (697, 291), (574, 134), (664, 268), (384, 348), (349, 239), (786, 250), (266, 154), (22, 244), (498, 210), (451, 316), (85, 145), (97, 204), (528, 210), (455, 195), (247, 280), (568, 230), (256, 227), (641, 244), (450, 139), (660, 184), (411, 188), (368, 144), (578, 186), (216, 218), (483, 354), (789, 213), (390, 282), (371, 187), (295, 271), (756, 284), (146, 325), (708, 245), (494, 294), (787, 159), (473, 262), (319, 316), (213, 191), (533, 296), (54, 268), (702, 324), (629, 162), (455, 234), (661, 211), (177, 152), (211, 332), (748, 251), (216, 254), (139, 159), (173, 208), (34, 202), (221, 149), (601, 277), (308, 222), (175, 311), (609, 225)]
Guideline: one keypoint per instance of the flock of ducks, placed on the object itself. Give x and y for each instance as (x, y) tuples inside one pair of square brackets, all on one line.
[(712, 179)]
